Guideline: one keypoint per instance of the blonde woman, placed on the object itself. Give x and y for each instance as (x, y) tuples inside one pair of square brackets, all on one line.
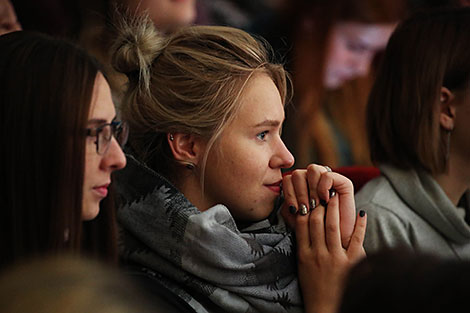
[(68, 283), (202, 188)]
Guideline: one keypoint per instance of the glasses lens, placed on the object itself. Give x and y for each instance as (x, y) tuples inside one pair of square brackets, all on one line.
[(119, 130), (104, 137), (122, 133)]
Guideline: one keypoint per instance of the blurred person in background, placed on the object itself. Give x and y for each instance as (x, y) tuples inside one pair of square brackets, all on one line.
[(401, 281), (417, 121), (69, 284), (8, 19), (327, 44), (97, 27)]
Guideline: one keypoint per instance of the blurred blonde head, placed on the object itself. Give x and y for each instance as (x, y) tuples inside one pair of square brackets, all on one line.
[(68, 284)]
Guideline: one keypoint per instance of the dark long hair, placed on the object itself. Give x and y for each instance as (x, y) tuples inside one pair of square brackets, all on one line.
[(428, 51), (46, 88)]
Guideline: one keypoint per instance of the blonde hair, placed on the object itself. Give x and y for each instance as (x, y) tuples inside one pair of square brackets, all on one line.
[(67, 283), (189, 82)]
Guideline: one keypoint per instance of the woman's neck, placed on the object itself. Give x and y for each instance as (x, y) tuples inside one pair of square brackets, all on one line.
[(190, 187), (456, 180)]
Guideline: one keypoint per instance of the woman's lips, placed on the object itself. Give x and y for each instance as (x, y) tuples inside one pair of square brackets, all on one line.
[(102, 190), (276, 187)]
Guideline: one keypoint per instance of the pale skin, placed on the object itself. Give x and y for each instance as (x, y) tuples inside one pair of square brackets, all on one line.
[(98, 168), (352, 47), (244, 173), (329, 241), (243, 169), (167, 15), (8, 20)]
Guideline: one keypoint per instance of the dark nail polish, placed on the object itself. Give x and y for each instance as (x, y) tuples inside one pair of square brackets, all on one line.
[(332, 193), (292, 209), (323, 203), (362, 213)]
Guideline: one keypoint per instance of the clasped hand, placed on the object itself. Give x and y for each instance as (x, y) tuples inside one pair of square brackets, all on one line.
[(319, 206)]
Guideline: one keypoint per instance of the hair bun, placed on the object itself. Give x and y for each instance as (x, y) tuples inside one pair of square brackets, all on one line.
[(136, 45)]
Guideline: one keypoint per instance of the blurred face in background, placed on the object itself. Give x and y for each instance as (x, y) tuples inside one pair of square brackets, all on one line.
[(352, 47), (8, 21), (167, 15)]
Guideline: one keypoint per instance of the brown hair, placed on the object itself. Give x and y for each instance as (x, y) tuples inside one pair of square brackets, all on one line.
[(45, 98), (188, 82), (426, 52), (415, 277), (312, 23)]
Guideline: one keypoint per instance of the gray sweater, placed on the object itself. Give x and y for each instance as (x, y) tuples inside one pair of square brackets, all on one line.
[(409, 208)]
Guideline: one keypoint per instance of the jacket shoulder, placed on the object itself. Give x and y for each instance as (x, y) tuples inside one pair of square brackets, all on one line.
[(388, 217)]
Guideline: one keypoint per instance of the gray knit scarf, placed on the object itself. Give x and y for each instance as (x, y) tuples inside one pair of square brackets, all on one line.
[(249, 270)]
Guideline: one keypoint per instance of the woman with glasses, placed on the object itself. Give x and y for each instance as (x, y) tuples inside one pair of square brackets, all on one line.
[(60, 143)]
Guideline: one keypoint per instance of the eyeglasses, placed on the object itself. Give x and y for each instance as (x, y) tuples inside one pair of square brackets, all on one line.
[(105, 133)]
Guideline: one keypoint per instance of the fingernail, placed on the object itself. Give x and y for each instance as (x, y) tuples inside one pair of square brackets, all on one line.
[(292, 209), (362, 213), (332, 193), (323, 203), (313, 204), (303, 209)]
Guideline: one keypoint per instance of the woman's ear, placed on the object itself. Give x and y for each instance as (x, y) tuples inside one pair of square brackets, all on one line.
[(186, 148), (447, 109)]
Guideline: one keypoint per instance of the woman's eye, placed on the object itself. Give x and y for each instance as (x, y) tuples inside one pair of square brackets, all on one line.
[(355, 47), (262, 135)]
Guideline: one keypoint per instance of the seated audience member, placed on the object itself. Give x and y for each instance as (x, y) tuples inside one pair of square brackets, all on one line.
[(8, 19), (69, 284), (417, 119), (403, 281), (201, 191), (59, 137)]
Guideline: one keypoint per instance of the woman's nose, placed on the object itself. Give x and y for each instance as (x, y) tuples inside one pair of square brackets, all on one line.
[(282, 158), (362, 64), (114, 158)]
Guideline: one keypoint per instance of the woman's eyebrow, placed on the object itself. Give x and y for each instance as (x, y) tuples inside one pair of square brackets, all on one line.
[(98, 121), (272, 123)]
